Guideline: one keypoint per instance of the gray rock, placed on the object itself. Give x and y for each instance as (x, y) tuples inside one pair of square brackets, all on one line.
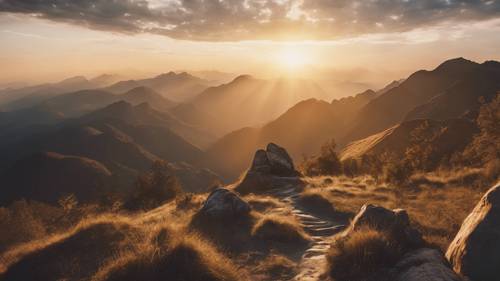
[(281, 163), (270, 168), (475, 251), (424, 265), (395, 221), (222, 203)]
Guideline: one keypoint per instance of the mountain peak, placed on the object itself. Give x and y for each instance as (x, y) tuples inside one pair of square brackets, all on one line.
[(140, 90), (456, 64), (118, 106), (243, 77)]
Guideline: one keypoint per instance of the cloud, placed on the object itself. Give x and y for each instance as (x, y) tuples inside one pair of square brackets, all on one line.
[(234, 20)]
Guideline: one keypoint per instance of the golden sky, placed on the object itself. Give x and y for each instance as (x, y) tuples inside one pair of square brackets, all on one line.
[(382, 40)]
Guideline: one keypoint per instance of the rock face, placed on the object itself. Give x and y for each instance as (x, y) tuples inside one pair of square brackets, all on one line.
[(424, 265), (475, 251), (270, 167), (223, 204), (396, 221)]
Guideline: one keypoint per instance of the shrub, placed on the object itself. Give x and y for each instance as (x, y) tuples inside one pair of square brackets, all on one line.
[(154, 187), (326, 163), (397, 173), (364, 255)]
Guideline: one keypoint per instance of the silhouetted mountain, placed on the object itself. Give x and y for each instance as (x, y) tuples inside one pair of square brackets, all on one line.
[(451, 90), (463, 96), (247, 101), (191, 114), (75, 104), (178, 87), (302, 130), (105, 80), (145, 115), (392, 107), (144, 94), (29, 96), (48, 176), (55, 110)]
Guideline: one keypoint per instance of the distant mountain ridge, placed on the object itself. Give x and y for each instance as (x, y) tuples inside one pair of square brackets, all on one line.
[(450, 91), (248, 101), (178, 87)]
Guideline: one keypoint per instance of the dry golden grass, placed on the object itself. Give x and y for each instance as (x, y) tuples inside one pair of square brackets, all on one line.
[(437, 212), (318, 202), (140, 246), (185, 257), (275, 267), (364, 255), (54, 257), (263, 203), (280, 229)]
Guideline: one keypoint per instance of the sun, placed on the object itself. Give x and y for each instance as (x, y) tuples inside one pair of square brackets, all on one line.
[(293, 58)]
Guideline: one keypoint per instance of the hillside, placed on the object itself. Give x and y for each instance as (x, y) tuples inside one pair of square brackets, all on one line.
[(49, 176), (420, 88), (448, 136), (15, 99)]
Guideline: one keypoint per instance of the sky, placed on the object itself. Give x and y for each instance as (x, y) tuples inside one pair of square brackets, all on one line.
[(373, 41)]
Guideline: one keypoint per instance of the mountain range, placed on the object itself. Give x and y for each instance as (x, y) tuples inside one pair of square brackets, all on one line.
[(452, 90), (206, 131)]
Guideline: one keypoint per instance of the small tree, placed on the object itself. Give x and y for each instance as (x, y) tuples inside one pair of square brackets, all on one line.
[(154, 187), (327, 163)]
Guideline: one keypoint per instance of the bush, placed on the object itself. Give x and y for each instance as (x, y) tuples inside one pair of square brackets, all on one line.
[(364, 255), (154, 188), (327, 163), (397, 173)]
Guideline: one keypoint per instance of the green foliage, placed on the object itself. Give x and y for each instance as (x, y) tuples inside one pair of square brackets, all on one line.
[(154, 187)]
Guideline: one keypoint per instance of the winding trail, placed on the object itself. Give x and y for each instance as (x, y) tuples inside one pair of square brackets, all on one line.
[(313, 260)]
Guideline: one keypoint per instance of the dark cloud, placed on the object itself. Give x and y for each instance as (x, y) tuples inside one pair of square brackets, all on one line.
[(228, 20)]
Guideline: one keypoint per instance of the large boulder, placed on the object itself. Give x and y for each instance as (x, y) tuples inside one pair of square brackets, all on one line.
[(224, 204), (475, 251), (397, 222), (270, 168), (424, 264), (226, 219)]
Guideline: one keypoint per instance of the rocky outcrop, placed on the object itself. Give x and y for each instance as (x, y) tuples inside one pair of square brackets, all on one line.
[(395, 221), (475, 251), (223, 204), (424, 265), (270, 168), (418, 262)]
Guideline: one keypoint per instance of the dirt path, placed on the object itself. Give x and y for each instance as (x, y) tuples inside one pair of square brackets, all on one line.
[(313, 260)]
